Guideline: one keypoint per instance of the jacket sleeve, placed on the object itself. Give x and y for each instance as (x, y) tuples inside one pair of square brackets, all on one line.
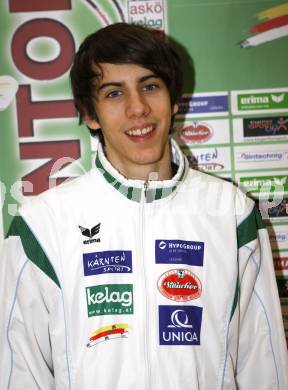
[(262, 351), (26, 296)]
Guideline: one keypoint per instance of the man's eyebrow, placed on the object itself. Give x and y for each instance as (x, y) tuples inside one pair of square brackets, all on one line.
[(120, 84)]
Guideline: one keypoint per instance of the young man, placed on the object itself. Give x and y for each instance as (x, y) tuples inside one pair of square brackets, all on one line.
[(116, 281)]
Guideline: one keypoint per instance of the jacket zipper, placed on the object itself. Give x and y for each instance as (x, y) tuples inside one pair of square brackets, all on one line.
[(146, 299)]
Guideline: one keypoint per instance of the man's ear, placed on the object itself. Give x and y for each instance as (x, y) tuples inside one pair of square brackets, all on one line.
[(175, 109), (91, 123)]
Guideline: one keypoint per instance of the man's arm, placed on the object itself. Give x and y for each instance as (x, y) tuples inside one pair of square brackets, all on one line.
[(26, 298), (262, 351)]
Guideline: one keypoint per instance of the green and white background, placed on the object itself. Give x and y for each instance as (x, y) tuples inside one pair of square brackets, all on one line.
[(235, 125)]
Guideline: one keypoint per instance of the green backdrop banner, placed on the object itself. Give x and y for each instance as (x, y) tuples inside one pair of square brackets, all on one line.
[(232, 119)]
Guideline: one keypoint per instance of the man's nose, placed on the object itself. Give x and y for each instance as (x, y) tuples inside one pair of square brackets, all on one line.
[(137, 105)]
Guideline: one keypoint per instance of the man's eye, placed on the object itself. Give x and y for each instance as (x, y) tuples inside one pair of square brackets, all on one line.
[(114, 94), (150, 87)]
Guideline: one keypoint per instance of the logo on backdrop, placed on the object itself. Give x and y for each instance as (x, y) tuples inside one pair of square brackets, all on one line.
[(180, 325), (265, 127), (196, 133), (203, 104)]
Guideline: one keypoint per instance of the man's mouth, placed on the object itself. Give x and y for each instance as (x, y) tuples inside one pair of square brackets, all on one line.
[(140, 132)]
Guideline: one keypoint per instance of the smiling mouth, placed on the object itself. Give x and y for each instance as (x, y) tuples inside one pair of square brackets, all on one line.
[(140, 132)]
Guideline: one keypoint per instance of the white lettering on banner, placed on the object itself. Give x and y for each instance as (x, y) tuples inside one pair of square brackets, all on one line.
[(102, 261), (115, 296), (179, 336), (183, 246), (254, 99)]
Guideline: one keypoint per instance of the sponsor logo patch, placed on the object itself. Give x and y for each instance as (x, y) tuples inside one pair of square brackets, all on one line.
[(109, 299), (179, 285), (262, 156), (90, 233), (180, 325), (265, 127), (107, 262), (282, 284), (148, 13), (254, 184), (280, 263), (106, 333), (196, 133), (203, 104), (262, 101), (179, 252), (274, 209)]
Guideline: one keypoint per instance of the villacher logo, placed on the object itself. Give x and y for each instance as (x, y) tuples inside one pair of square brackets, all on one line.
[(90, 233)]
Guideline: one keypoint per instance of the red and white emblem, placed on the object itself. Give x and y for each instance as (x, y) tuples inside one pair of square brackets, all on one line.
[(179, 285)]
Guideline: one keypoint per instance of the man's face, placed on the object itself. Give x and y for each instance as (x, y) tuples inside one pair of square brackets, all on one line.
[(134, 112)]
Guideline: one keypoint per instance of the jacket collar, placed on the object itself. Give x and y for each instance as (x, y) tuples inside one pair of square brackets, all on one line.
[(133, 189)]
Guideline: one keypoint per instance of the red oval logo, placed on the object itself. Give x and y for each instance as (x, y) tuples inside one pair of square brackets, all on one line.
[(196, 133), (179, 285)]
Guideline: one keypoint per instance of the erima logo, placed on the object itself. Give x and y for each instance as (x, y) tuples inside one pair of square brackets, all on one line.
[(90, 233), (278, 99)]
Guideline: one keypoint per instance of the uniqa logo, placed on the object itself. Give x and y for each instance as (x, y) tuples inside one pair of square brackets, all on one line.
[(180, 322), (179, 285), (196, 133)]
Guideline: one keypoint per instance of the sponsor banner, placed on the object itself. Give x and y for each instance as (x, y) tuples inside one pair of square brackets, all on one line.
[(275, 209), (179, 285), (202, 132), (264, 185), (106, 333), (180, 325), (262, 156), (278, 235), (215, 159), (259, 101), (107, 262), (148, 13), (203, 104), (179, 252), (282, 283), (281, 262), (109, 299), (264, 128)]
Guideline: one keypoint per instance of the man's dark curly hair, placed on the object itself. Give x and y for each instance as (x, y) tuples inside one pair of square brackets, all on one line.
[(122, 43)]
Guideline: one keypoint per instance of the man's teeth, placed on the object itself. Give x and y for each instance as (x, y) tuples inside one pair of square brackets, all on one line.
[(138, 132)]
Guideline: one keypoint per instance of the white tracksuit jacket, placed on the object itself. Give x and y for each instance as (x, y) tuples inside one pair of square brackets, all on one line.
[(109, 284)]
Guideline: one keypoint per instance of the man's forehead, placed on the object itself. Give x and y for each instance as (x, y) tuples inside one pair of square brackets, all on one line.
[(121, 71)]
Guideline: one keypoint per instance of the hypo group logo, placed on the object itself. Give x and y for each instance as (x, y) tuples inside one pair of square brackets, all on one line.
[(210, 104), (180, 325), (179, 252)]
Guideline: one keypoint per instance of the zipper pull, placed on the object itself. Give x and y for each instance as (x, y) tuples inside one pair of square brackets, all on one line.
[(146, 185)]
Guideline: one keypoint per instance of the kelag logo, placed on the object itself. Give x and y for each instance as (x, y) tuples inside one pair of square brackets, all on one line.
[(265, 127), (149, 13), (179, 252), (107, 262), (109, 299), (262, 101), (180, 325)]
